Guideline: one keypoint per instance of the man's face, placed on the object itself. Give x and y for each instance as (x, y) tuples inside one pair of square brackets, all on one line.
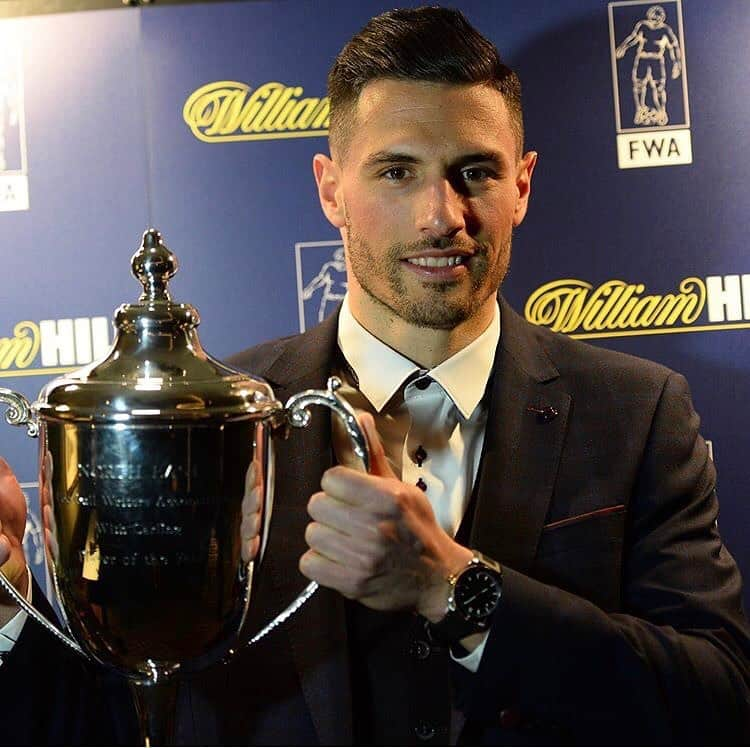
[(426, 194)]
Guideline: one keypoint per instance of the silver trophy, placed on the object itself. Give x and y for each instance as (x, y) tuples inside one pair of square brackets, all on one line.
[(150, 459)]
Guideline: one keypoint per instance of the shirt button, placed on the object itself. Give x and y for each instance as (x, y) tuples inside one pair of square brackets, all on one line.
[(422, 383), (424, 731), (420, 649), (421, 484)]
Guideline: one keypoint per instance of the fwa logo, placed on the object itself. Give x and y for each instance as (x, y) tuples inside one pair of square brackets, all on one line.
[(321, 280), (649, 78), (14, 180)]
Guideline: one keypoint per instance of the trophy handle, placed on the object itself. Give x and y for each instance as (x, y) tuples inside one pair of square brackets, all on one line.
[(21, 413), (298, 415), (28, 608)]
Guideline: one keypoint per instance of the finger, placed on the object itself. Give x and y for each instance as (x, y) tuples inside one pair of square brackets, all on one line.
[(4, 549), (52, 546), (48, 518), (362, 489), (252, 502), (354, 553), (250, 526), (249, 549), (252, 477), (330, 574), (357, 521), (378, 461)]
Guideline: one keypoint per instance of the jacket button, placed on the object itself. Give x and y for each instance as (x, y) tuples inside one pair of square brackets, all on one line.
[(424, 731), (420, 649), (510, 718)]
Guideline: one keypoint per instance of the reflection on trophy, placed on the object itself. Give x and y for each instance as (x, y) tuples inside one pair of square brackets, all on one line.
[(156, 485)]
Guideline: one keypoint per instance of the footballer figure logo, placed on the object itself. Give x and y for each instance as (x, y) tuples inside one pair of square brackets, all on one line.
[(321, 280), (652, 38)]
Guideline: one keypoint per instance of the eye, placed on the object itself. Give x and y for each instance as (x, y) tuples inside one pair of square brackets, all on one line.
[(477, 174), (395, 173)]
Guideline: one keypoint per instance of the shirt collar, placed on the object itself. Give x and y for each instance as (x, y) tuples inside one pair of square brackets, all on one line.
[(381, 370)]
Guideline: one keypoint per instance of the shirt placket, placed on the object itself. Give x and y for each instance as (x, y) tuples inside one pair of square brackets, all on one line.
[(430, 459)]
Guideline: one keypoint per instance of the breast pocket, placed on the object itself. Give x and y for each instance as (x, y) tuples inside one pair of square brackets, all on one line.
[(583, 555)]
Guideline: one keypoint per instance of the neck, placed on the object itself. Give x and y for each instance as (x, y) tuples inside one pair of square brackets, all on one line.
[(427, 347)]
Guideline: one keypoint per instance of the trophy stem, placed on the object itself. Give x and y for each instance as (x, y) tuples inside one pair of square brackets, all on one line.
[(156, 705)]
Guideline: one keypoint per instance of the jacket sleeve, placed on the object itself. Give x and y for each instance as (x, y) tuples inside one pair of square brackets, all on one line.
[(50, 696), (671, 663)]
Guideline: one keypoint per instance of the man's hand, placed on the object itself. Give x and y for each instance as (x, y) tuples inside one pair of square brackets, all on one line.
[(12, 526), (252, 513), (376, 540)]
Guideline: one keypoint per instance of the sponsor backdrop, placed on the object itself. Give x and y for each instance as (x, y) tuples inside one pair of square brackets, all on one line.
[(202, 121)]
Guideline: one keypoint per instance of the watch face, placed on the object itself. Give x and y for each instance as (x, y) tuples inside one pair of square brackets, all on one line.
[(477, 593)]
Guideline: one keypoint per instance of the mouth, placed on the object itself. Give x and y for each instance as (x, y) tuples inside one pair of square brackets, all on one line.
[(438, 262), (438, 266)]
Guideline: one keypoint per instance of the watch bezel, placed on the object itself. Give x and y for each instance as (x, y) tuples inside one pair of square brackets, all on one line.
[(471, 576)]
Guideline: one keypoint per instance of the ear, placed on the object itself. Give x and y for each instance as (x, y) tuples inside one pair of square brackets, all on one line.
[(523, 185), (328, 179)]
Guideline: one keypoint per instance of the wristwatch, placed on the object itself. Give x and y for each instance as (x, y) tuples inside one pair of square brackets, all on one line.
[(475, 594)]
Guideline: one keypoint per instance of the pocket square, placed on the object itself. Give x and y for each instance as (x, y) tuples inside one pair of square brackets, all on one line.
[(581, 517)]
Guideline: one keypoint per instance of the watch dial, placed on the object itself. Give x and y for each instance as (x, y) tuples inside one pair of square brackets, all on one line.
[(477, 593)]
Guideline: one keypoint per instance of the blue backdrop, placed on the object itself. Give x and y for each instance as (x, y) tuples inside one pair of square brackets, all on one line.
[(202, 120)]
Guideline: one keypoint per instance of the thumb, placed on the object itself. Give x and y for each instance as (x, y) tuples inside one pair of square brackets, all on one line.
[(378, 461)]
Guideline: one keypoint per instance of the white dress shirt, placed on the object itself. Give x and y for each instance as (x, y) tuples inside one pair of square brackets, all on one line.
[(433, 427)]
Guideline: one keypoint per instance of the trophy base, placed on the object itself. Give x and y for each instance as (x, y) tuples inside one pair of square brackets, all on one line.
[(156, 704)]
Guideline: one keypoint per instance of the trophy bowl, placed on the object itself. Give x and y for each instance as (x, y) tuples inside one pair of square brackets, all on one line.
[(156, 492)]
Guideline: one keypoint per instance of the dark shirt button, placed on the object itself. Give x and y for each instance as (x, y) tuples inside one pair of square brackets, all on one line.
[(424, 731), (510, 718), (421, 484), (420, 649), (422, 383), (420, 455)]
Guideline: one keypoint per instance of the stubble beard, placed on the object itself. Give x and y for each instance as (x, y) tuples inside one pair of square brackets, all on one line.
[(437, 308)]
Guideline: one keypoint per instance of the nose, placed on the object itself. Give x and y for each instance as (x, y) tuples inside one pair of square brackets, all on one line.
[(440, 210)]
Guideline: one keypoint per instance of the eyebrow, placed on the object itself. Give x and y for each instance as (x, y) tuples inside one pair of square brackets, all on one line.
[(380, 158), (491, 157)]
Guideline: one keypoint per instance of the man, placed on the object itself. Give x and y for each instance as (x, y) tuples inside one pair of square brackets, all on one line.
[(559, 494)]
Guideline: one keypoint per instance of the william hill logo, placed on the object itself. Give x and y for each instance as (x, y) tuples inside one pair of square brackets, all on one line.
[(617, 309), (53, 346), (226, 111)]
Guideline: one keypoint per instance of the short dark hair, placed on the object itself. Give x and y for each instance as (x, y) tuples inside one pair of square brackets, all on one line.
[(431, 44)]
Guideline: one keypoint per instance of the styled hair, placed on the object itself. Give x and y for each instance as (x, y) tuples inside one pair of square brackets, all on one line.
[(430, 44)]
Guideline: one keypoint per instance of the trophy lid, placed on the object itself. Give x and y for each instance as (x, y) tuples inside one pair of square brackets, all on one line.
[(156, 367)]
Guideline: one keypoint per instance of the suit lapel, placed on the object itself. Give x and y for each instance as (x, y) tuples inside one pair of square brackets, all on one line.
[(526, 427), (317, 631)]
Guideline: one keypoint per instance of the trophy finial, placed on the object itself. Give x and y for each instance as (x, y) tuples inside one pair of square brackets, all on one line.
[(153, 265)]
